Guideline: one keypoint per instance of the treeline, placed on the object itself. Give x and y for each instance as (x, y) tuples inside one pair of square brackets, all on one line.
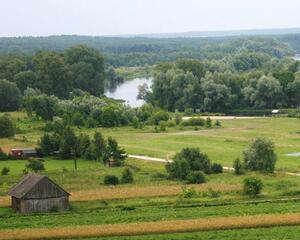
[(149, 51), (244, 80)]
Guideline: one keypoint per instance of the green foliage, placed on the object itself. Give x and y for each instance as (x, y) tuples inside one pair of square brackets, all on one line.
[(208, 122), (189, 159), (127, 176), (49, 144), (211, 193), (68, 144), (111, 180), (160, 116), (7, 127), (216, 168), (238, 167), (196, 177), (35, 165), (252, 186), (189, 192), (260, 156), (115, 152), (3, 155), (194, 122), (10, 96), (5, 171)]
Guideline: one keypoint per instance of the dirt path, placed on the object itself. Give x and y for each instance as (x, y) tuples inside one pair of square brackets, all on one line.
[(222, 117), (160, 227)]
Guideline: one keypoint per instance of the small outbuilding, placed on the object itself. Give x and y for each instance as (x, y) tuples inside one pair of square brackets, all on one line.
[(23, 153), (36, 193)]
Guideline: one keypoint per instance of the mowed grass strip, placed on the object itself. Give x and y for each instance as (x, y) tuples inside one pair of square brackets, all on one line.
[(137, 192), (133, 229)]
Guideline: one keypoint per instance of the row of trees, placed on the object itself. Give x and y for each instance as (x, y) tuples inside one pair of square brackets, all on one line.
[(205, 87), (64, 143)]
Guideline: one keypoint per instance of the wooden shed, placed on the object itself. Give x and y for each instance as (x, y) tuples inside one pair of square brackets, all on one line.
[(36, 193), (23, 153)]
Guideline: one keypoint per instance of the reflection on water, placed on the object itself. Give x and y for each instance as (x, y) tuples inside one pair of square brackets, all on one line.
[(128, 91)]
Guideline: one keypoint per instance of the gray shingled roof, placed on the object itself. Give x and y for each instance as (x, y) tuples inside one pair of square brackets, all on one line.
[(24, 186), (29, 182)]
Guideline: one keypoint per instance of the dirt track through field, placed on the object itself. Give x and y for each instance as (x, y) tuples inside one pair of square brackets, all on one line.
[(108, 193), (132, 229)]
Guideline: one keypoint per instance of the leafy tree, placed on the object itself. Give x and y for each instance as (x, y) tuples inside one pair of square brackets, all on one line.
[(189, 159), (26, 79), (7, 127), (87, 68), (252, 186), (196, 177), (267, 93), (10, 96), (217, 168), (115, 152), (42, 105), (100, 147), (260, 156), (193, 66), (127, 176), (68, 144), (49, 144), (53, 73)]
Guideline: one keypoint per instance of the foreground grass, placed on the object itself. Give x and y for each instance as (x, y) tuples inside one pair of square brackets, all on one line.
[(274, 233), (145, 210), (155, 227)]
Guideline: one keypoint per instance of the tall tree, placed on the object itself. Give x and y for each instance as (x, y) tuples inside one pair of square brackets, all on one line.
[(87, 66)]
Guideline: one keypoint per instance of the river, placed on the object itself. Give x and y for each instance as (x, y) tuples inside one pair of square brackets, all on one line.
[(128, 91)]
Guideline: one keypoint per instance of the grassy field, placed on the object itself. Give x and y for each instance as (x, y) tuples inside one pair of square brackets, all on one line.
[(153, 197)]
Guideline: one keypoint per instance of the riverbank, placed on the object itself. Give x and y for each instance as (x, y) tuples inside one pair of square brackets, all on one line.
[(129, 73)]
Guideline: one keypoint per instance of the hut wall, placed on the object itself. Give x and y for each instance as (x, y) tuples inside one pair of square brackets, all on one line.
[(16, 204), (44, 205)]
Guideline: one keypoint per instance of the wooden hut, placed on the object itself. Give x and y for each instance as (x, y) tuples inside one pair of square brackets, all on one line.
[(23, 153), (36, 193)]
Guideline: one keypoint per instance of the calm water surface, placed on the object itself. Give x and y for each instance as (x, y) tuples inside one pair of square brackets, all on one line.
[(128, 91)]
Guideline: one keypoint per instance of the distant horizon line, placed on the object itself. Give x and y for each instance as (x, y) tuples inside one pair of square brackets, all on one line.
[(196, 33)]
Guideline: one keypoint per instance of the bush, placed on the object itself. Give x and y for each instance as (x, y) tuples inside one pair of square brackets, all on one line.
[(189, 192), (3, 155), (260, 156), (163, 126), (208, 122), (111, 180), (238, 167), (127, 176), (218, 123), (252, 186), (35, 165), (160, 116), (211, 193), (194, 122), (217, 168), (4, 171), (7, 127), (189, 159), (196, 177)]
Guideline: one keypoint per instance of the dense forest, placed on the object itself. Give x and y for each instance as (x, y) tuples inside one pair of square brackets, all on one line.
[(195, 74), (141, 51)]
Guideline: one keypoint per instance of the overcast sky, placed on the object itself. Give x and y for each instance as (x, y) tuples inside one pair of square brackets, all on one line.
[(112, 17)]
